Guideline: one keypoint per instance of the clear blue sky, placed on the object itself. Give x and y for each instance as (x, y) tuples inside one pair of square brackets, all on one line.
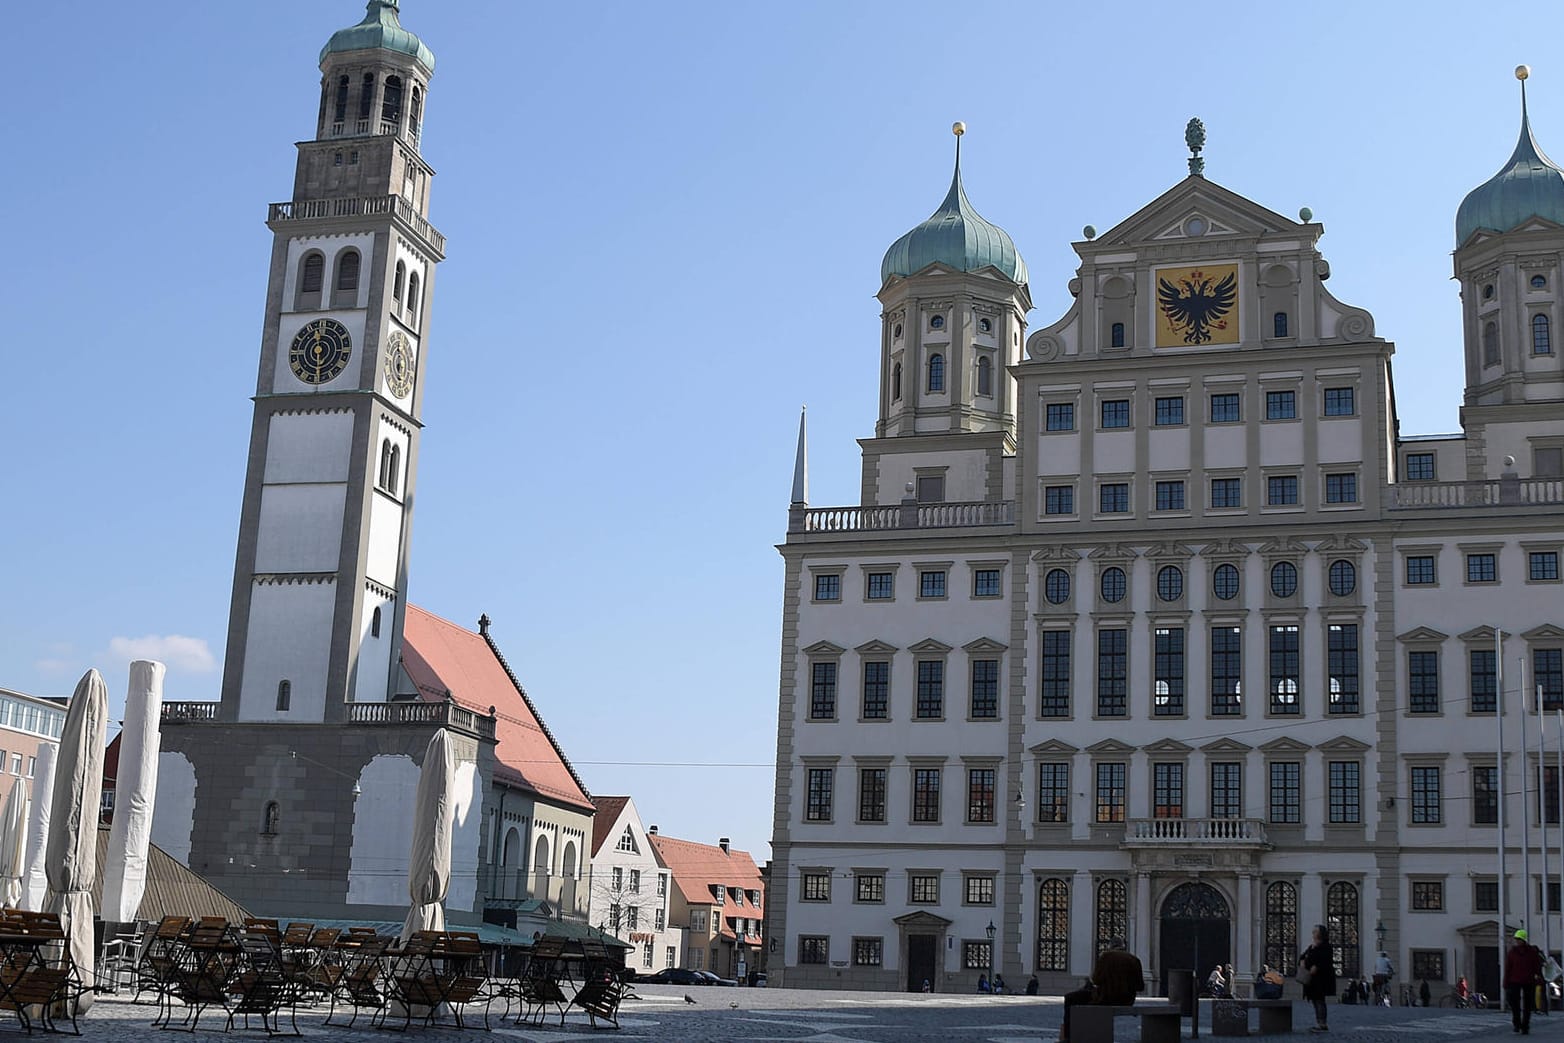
[(666, 224)]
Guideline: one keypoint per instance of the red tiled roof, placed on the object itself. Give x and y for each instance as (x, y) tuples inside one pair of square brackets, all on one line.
[(442, 657), (608, 810), (111, 761), (695, 867)]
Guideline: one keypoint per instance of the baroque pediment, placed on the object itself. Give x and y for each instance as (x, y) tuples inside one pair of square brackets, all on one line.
[(1053, 746), (1226, 746), (984, 644), (929, 644), (1285, 745), (824, 648), (1113, 552), (1195, 209), (873, 647)]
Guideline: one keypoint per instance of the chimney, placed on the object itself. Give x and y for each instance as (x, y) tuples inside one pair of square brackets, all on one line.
[(652, 831), (723, 843)]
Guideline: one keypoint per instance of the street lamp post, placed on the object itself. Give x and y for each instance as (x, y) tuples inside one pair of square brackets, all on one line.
[(991, 930)]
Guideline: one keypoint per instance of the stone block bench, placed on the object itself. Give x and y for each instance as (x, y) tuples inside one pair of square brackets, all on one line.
[(1159, 1022), (1230, 1017)]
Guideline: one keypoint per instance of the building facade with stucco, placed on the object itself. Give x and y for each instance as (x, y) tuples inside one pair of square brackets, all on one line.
[(1152, 624)]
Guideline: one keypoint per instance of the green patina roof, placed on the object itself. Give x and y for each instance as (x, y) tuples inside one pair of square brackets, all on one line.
[(957, 236), (380, 30), (1530, 185)]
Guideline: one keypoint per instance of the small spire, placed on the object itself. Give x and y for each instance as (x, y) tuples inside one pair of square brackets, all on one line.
[(801, 463), (1195, 138)]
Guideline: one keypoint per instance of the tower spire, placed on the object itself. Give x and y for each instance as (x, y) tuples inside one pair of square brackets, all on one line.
[(801, 462)]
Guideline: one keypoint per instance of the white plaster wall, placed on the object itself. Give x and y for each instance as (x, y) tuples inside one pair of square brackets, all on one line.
[(374, 656), (385, 538), (966, 475), (289, 639), (308, 447), (382, 831), (173, 812), (467, 809), (289, 324), (1226, 445), (1340, 441), (1169, 450), (1514, 440), (300, 528), (1113, 452), (1281, 444), (1059, 455)]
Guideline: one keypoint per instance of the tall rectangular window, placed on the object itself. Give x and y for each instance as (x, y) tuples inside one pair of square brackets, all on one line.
[(1168, 685), (1053, 791), (985, 689), (871, 794), (1226, 408), (1227, 789), (1341, 660), (925, 794), (822, 692), (1281, 405), (1110, 792), (1345, 793), (876, 689), (980, 794), (1482, 680), (1423, 682), (1284, 669), (1548, 787), (1112, 673), (1055, 693), (931, 689), (1116, 413), (818, 807), (1227, 668), (1227, 493), (1485, 794), (1420, 467), (1061, 416), (1547, 673), (1281, 490), (1059, 499), (1170, 411), (1167, 791), (1427, 806), (1286, 792)]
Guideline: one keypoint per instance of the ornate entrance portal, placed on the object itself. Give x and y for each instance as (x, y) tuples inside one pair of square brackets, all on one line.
[(1196, 930)]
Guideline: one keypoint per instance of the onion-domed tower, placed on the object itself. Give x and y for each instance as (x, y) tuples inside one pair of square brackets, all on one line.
[(1509, 235), (955, 297)]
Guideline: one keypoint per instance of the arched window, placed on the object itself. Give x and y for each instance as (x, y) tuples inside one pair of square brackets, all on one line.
[(366, 96), (399, 283), (1112, 914), (391, 101), (1281, 924), (346, 294), (540, 859), (1284, 579), (1170, 583), (567, 866), (413, 299), (896, 382), (1053, 925), (395, 474), (1116, 335), (385, 463), (416, 113), (341, 112), (284, 694), (936, 372), (510, 854), (1341, 919), (1541, 342), (269, 819), (1490, 344), (985, 377), (1279, 324), (312, 275), (374, 623)]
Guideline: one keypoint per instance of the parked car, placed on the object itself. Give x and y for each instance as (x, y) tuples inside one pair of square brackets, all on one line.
[(714, 979), (759, 980), (675, 976)]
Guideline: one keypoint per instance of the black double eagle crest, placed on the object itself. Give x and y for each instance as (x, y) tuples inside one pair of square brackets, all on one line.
[(1194, 307)]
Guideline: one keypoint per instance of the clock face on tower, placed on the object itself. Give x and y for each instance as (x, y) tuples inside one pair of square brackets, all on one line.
[(399, 365), (320, 351)]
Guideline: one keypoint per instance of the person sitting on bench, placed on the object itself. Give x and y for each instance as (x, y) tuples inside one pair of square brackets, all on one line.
[(1116, 977), (1269, 985)]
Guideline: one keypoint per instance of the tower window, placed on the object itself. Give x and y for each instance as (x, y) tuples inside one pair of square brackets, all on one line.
[(396, 469), (284, 694), (346, 295), (366, 96), (399, 282), (312, 273), (896, 382), (342, 103), (391, 103), (985, 377), (937, 322), (412, 297), (1116, 335), (936, 372), (1490, 343), (1541, 340), (985, 326), (269, 819), (385, 462), (1488, 292), (416, 112), (1279, 324), (897, 332), (1539, 282), (374, 623)]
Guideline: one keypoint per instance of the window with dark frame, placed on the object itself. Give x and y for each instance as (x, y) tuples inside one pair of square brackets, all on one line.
[(1345, 793), (1342, 663), (1341, 488), (925, 794), (822, 691), (931, 584), (1056, 586), (1170, 496), (1482, 680), (1281, 405), (882, 586), (1284, 669), (871, 794), (870, 887), (1340, 402), (1420, 570), (876, 689), (1114, 584), (1110, 792), (1113, 498), (868, 952), (1342, 577), (1541, 338), (977, 956), (985, 583), (817, 806), (284, 695), (936, 373), (1227, 665), (1279, 324), (1225, 582), (1428, 965), (1423, 681), (931, 689), (1112, 672), (1053, 792), (1116, 335), (814, 949), (1054, 697), (1059, 499), (1420, 467), (1170, 583), (980, 794), (1542, 566), (1485, 794), (1490, 344), (1113, 917), (1286, 796), (1168, 670), (1227, 789), (1227, 493), (1281, 924), (1428, 895), (1115, 413), (1226, 408), (1548, 787), (1053, 925), (1284, 579), (924, 889), (985, 377), (985, 689), (1169, 411), (1167, 790), (1482, 568), (1059, 416), (1485, 896), (1547, 673), (1281, 490), (817, 887), (1427, 803)]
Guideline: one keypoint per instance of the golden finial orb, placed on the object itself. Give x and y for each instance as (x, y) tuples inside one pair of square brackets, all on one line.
[(958, 128), (1522, 71)]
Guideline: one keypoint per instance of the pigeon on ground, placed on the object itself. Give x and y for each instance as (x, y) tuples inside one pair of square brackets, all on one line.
[(688, 998)]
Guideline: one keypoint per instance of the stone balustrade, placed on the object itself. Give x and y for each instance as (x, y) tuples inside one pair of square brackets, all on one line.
[(357, 206), (1195, 832), (1509, 491), (902, 516)]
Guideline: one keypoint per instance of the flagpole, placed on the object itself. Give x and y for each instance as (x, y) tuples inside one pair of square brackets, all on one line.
[(1560, 778), (1520, 690), (1498, 717), (1542, 815)]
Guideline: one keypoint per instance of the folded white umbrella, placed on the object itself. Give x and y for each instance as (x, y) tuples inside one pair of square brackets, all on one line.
[(73, 821), (13, 836), (429, 870), (135, 789), (35, 883)]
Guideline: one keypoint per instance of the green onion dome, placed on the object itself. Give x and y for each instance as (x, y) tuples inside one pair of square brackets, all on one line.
[(1530, 185), (380, 30), (957, 236)]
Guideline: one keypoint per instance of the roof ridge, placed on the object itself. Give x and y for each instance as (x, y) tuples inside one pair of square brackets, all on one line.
[(488, 639)]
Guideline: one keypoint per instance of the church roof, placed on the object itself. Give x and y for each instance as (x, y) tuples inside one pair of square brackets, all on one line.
[(955, 235), (1530, 185), (381, 29), (441, 657)]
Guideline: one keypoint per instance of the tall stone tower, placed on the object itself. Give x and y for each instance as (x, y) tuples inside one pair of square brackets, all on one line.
[(320, 577)]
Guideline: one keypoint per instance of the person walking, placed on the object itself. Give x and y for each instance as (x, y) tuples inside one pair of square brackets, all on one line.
[(1522, 974), (1317, 974), (1383, 972)]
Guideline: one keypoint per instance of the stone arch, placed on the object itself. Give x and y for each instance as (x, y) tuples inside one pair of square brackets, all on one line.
[(510, 852)]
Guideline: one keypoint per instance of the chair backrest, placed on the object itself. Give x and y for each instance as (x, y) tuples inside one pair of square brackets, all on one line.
[(298, 934), (325, 937), (264, 925), (171, 927)]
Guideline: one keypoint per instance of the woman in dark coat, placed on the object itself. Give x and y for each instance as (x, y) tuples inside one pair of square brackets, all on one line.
[(1320, 962)]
